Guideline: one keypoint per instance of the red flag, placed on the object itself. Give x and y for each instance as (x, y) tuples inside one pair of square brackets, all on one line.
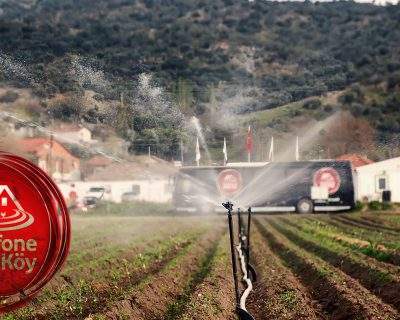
[(249, 141)]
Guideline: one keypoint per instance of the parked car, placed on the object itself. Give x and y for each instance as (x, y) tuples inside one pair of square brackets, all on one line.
[(90, 202), (96, 192)]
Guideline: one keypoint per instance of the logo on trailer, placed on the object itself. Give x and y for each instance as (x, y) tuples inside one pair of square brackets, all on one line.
[(229, 182), (328, 178), (12, 215)]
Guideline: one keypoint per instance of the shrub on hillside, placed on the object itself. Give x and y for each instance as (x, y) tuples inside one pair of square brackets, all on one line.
[(312, 104), (9, 97)]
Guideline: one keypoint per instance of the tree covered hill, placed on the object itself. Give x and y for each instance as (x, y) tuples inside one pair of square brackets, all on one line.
[(289, 50), (201, 51)]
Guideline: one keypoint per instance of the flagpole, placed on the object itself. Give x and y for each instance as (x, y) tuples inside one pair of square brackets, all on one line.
[(271, 150), (181, 147), (249, 144), (225, 152), (198, 155)]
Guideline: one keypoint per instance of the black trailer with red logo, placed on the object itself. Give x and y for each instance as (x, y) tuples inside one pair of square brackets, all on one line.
[(301, 186)]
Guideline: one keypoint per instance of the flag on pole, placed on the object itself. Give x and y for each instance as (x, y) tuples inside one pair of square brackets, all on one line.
[(198, 155), (249, 143), (297, 149), (225, 152), (271, 150)]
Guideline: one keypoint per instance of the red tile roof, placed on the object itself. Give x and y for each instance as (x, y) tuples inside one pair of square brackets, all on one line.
[(40, 147), (355, 159)]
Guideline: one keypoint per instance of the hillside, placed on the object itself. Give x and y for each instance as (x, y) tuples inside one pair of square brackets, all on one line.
[(236, 56)]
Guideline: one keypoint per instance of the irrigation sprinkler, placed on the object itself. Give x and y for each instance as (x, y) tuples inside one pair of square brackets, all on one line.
[(240, 299)]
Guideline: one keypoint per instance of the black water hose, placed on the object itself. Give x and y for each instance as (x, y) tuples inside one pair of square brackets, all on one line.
[(248, 235)]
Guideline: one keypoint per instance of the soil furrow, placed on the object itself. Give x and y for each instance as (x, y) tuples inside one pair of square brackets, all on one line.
[(378, 282), (278, 294), (177, 307), (100, 293), (150, 301), (374, 236), (359, 224), (214, 298), (366, 222), (339, 297), (390, 262), (379, 221)]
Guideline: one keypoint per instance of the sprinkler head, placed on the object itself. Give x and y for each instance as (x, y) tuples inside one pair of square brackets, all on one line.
[(228, 206)]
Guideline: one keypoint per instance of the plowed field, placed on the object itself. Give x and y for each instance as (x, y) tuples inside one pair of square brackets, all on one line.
[(337, 266)]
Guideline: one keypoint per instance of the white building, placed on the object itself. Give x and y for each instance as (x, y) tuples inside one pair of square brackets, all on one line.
[(149, 190), (370, 180), (73, 133), (142, 179)]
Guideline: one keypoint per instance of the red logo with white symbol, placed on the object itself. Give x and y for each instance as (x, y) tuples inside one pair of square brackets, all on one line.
[(34, 230), (328, 178), (12, 215), (229, 182)]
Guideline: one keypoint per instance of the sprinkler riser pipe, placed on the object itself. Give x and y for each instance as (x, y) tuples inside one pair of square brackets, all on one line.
[(233, 255), (239, 225)]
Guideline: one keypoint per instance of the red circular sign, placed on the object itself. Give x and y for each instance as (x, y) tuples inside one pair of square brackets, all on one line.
[(329, 178), (229, 182), (34, 230)]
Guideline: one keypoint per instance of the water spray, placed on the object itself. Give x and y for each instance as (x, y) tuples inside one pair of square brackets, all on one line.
[(248, 277)]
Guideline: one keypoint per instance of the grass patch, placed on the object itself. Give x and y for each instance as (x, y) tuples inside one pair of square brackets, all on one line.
[(268, 117), (374, 253), (379, 206), (288, 298)]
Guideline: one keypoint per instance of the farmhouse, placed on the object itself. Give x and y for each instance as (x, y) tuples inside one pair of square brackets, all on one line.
[(52, 157), (372, 179)]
